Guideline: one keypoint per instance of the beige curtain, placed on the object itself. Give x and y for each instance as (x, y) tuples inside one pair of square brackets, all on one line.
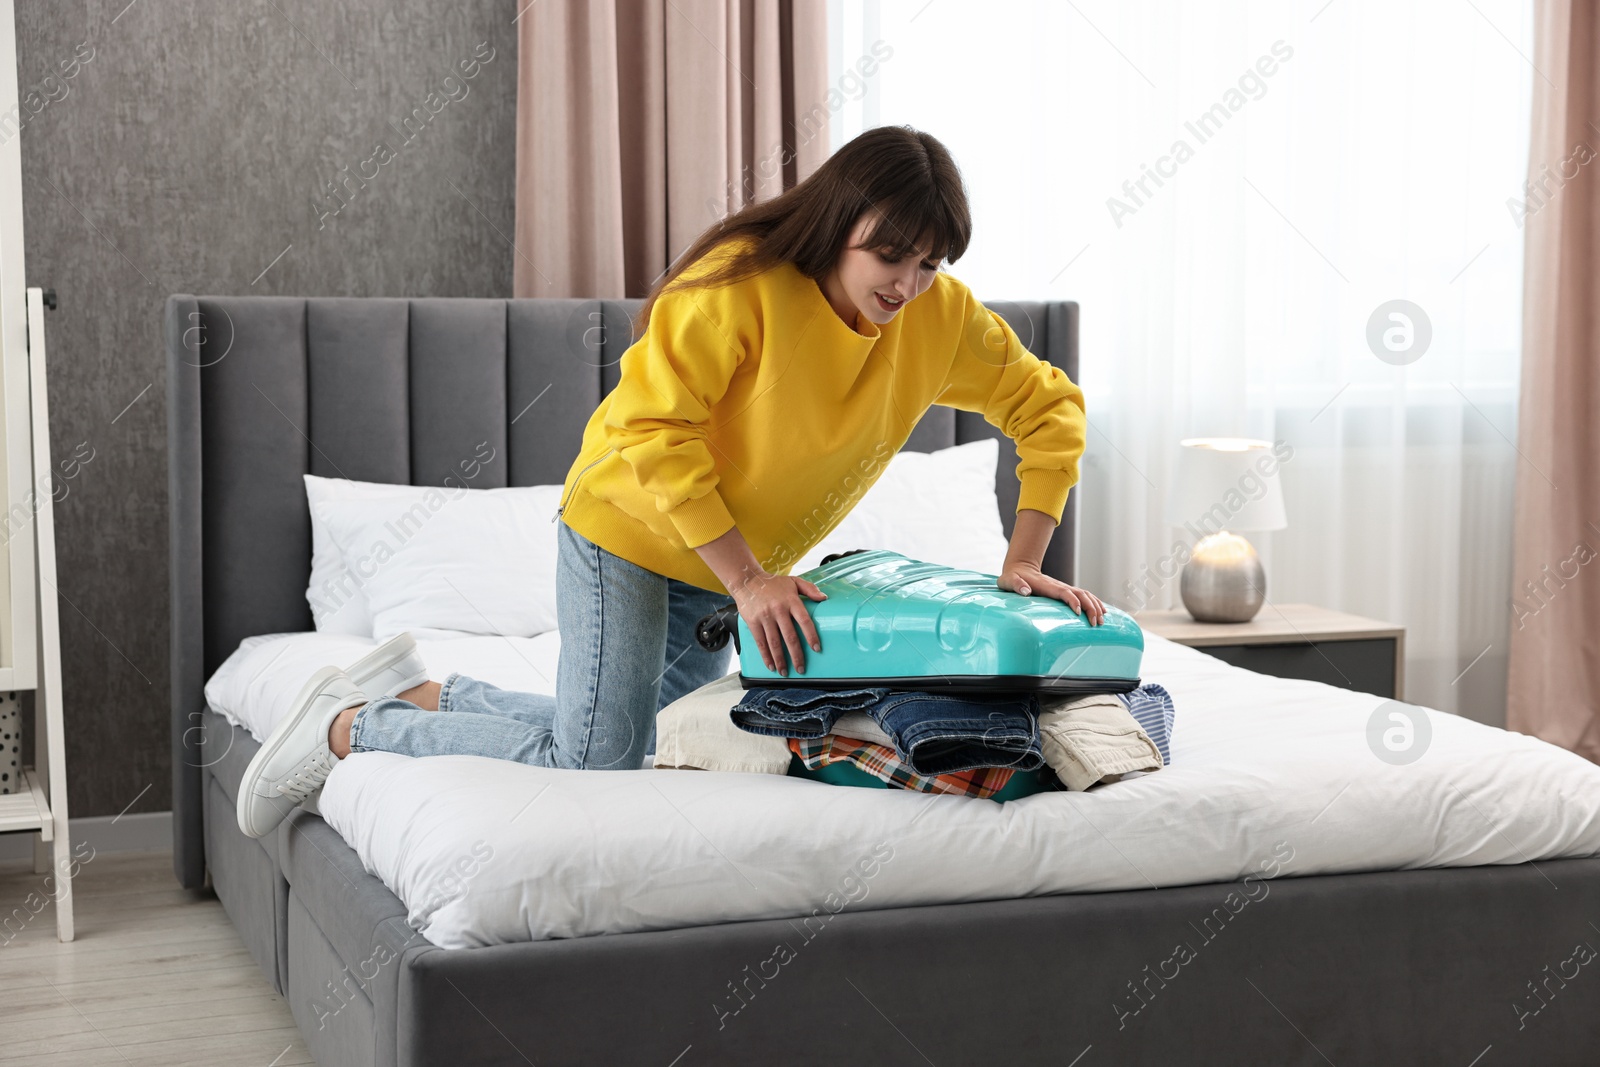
[(640, 123), (1554, 681)]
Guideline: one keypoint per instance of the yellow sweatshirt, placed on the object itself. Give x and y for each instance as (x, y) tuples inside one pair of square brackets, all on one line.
[(754, 404)]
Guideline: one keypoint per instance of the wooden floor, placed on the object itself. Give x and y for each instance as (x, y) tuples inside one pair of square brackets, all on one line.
[(156, 976)]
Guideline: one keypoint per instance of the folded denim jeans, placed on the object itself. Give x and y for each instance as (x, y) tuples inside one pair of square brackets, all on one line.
[(934, 733), (942, 733), (800, 712)]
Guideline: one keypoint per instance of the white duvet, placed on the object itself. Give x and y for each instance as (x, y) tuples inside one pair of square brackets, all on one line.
[(1268, 777)]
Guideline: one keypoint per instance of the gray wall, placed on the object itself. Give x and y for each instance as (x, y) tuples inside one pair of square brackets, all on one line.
[(187, 155)]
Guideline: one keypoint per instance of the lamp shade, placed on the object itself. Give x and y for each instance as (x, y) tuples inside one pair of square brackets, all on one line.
[(1226, 483)]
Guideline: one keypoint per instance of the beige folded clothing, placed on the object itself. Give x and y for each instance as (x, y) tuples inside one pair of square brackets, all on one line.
[(1088, 739), (696, 732), (1085, 739)]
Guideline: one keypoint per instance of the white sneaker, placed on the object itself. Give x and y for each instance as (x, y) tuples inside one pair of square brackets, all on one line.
[(390, 669), (296, 759)]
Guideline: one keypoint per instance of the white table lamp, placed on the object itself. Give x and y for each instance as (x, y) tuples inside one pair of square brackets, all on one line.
[(1223, 485)]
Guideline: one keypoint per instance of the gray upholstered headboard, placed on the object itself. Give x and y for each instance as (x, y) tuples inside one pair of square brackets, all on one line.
[(262, 390)]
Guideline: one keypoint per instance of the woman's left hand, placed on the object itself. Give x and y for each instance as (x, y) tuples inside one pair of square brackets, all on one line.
[(1029, 580)]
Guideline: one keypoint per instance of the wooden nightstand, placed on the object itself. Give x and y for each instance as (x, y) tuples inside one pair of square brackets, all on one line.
[(1298, 641)]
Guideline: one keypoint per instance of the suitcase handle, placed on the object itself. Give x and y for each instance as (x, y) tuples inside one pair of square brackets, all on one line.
[(712, 632)]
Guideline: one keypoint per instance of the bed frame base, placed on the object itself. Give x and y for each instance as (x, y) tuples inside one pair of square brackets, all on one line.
[(1415, 967)]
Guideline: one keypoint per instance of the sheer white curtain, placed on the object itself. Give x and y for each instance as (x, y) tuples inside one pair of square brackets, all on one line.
[(1311, 162)]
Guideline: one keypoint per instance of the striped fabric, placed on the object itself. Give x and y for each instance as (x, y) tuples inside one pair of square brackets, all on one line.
[(1151, 707), (882, 763)]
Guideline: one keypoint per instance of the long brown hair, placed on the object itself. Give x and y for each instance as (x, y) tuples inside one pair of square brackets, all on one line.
[(907, 175)]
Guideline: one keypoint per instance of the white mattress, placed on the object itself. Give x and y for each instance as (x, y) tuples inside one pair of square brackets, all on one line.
[(1269, 776)]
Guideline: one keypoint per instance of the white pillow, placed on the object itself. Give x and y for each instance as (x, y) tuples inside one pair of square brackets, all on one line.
[(939, 507), (433, 560), (338, 602)]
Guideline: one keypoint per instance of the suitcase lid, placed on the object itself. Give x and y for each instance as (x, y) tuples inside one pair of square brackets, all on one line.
[(901, 623)]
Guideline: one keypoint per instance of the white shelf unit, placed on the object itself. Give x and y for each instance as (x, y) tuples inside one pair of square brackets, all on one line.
[(27, 809), (40, 804), (30, 635)]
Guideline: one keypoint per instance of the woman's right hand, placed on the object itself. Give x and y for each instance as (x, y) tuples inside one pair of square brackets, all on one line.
[(770, 606)]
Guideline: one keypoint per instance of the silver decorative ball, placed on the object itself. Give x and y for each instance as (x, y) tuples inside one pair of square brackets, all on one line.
[(1223, 580)]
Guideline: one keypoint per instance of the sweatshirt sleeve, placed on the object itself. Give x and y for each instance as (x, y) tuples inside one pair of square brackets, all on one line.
[(1034, 403), (670, 380)]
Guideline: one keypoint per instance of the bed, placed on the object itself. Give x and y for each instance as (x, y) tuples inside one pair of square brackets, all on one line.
[(1292, 957)]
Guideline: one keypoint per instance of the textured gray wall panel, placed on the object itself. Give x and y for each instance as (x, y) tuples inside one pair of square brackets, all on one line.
[(280, 147)]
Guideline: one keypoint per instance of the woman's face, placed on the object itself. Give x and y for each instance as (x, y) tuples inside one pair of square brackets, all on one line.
[(872, 281)]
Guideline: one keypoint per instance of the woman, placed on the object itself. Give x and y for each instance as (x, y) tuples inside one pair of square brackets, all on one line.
[(794, 347)]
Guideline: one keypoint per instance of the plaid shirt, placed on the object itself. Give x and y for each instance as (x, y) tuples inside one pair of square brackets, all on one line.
[(881, 762)]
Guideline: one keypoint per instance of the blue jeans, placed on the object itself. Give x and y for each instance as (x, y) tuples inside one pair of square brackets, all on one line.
[(627, 650), (934, 733)]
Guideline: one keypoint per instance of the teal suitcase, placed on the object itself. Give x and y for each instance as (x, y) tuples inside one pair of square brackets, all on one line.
[(899, 623)]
